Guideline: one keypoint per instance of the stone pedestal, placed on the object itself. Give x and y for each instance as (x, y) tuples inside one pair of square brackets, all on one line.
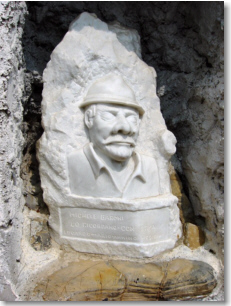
[(138, 228)]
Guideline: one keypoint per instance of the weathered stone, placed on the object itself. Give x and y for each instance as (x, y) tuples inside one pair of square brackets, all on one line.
[(105, 177), (39, 233), (176, 184), (186, 209), (186, 279), (32, 202), (112, 280), (196, 90), (193, 236), (184, 42), (12, 18), (7, 293)]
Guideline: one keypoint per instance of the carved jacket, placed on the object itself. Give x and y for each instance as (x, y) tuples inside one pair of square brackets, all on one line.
[(90, 176)]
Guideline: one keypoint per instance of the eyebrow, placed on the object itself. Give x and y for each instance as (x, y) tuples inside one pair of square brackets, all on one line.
[(114, 110), (131, 113)]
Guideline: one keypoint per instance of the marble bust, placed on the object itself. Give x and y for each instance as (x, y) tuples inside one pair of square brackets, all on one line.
[(104, 154), (109, 166)]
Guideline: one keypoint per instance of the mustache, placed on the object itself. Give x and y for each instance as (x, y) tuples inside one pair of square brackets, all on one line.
[(116, 139)]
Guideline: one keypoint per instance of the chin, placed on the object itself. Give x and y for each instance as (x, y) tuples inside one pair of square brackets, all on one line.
[(119, 153)]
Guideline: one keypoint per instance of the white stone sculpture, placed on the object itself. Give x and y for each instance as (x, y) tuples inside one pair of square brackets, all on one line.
[(105, 149), (108, 165)]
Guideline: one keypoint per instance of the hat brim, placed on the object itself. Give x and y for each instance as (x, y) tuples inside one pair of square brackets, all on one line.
[(114, 101)]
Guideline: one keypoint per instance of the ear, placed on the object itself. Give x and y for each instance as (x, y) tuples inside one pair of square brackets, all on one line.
[(88, 118)]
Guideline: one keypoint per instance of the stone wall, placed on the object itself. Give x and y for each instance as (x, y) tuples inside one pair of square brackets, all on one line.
[(192, 101), (12, 17), (183, 41)]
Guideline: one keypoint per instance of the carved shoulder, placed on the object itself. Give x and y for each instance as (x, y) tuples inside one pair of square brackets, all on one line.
[(77, 162), (149, 163)]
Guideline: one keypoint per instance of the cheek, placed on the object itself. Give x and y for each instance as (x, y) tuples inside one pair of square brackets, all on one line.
[(135, 129), (102, 129), (134, 125)]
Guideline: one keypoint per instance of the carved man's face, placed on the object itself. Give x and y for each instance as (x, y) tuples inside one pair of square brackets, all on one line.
[(113, 130)]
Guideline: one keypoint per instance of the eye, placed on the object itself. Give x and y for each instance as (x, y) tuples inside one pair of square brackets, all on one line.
[(107, 116), (132, 119)]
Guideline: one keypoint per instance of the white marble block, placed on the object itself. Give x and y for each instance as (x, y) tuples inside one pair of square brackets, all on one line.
[(105, 149)]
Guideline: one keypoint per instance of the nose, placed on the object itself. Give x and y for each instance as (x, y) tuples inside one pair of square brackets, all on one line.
[(122, 126)]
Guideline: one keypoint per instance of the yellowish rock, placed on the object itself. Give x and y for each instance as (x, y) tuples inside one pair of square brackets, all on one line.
[(193, 236), (176, 184), (87, 280), (186, 210), (186, 279)]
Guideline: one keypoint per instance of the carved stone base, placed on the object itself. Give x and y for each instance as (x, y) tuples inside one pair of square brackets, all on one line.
[(137, 228)]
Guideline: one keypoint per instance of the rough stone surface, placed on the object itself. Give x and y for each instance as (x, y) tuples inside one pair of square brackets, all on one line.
[(32, 130), (186, 210), (179, 279), (183, 41), (193, 236), (99, 54), (39, 233), (196, 89), (12, 17), (38, 266)]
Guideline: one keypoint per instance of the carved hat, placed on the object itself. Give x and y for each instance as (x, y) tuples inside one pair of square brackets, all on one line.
[(111, 89)]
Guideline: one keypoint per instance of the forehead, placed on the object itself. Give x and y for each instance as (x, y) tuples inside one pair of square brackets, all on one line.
[(116, 108)]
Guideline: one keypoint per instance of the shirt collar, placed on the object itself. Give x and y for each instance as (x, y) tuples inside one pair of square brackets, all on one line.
[(97, 164), (94, 160)]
